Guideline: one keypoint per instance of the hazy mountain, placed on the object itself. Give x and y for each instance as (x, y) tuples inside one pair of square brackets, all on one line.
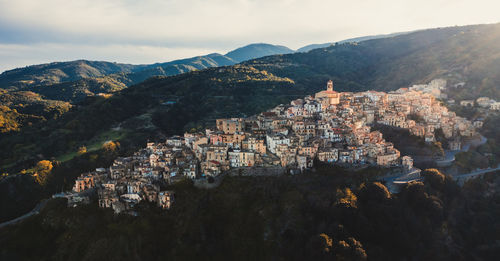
[(310, 47), (57, 72), (175, 67), (72, 81), (253, 51)]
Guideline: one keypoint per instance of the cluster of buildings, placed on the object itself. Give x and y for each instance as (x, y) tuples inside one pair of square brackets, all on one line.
[(330, 127), (130, 180), (422, 115), (483, 102), (435, 88)]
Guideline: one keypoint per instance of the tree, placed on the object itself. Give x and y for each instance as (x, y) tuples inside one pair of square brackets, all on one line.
[(42, 171), (82, 150), (110, 146), (438, 148), (374, 191), (350, 249), (434, 177), (346, 198), (326, 241)]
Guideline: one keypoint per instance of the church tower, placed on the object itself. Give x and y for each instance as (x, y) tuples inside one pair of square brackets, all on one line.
[(329, 97), (329, 85)]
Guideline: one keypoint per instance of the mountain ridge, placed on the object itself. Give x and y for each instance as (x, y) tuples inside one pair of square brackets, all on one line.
[(70, 71), (310, 47), (248, 52)]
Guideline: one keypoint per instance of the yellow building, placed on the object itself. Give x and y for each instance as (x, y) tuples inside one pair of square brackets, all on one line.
[(230, 126), (328, 97)]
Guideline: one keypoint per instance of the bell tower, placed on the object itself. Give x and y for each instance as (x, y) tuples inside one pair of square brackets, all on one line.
[(329, 85)]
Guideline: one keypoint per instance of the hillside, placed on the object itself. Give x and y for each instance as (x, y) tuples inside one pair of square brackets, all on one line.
[(25, 108), (126, 74), (310, 47), (74, 81), (253, 51), (328, 215), (57, 72), (174, 68), (469, 54)]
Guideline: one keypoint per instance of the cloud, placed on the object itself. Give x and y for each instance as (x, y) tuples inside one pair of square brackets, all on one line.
[(223, 24)]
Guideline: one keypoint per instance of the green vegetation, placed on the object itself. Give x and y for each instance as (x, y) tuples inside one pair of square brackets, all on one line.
[(8, 119), (45, 91), (77, 91), (95, 144), (465, 111), (24, 109), (42, 171), (485, 155), (249, 52), (315, 216), (422, 152), (75, 80), (58, 72), (400, 61)]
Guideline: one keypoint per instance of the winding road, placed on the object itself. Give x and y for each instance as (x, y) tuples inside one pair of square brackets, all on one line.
[(33, 212), (449, 156)]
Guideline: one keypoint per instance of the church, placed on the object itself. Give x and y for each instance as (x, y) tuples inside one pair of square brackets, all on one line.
[(328, 97)]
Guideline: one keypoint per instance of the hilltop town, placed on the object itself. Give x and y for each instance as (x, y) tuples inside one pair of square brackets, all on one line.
[(329, 127)]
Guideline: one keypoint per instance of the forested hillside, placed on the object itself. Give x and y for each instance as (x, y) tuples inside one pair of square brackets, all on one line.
[(45, 75), (467, 54), (328, 215), (76, 80), (253, 51), (57, 72)]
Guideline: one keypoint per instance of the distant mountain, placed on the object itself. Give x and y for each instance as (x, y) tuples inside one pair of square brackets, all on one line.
[(254, 51), (310, 47), (174, 68), (57, 72), (75, 80)]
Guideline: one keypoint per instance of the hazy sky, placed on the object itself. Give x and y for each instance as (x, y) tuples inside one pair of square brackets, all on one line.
[(146, 31)]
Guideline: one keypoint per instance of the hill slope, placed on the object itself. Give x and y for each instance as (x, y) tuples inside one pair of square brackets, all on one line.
[(253, 51), (52, 73), (58, 72), (469, 54), (76, 80), (310, 47), (174, 68)]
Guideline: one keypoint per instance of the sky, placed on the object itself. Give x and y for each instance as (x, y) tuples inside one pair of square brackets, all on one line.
[(148, 31)]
